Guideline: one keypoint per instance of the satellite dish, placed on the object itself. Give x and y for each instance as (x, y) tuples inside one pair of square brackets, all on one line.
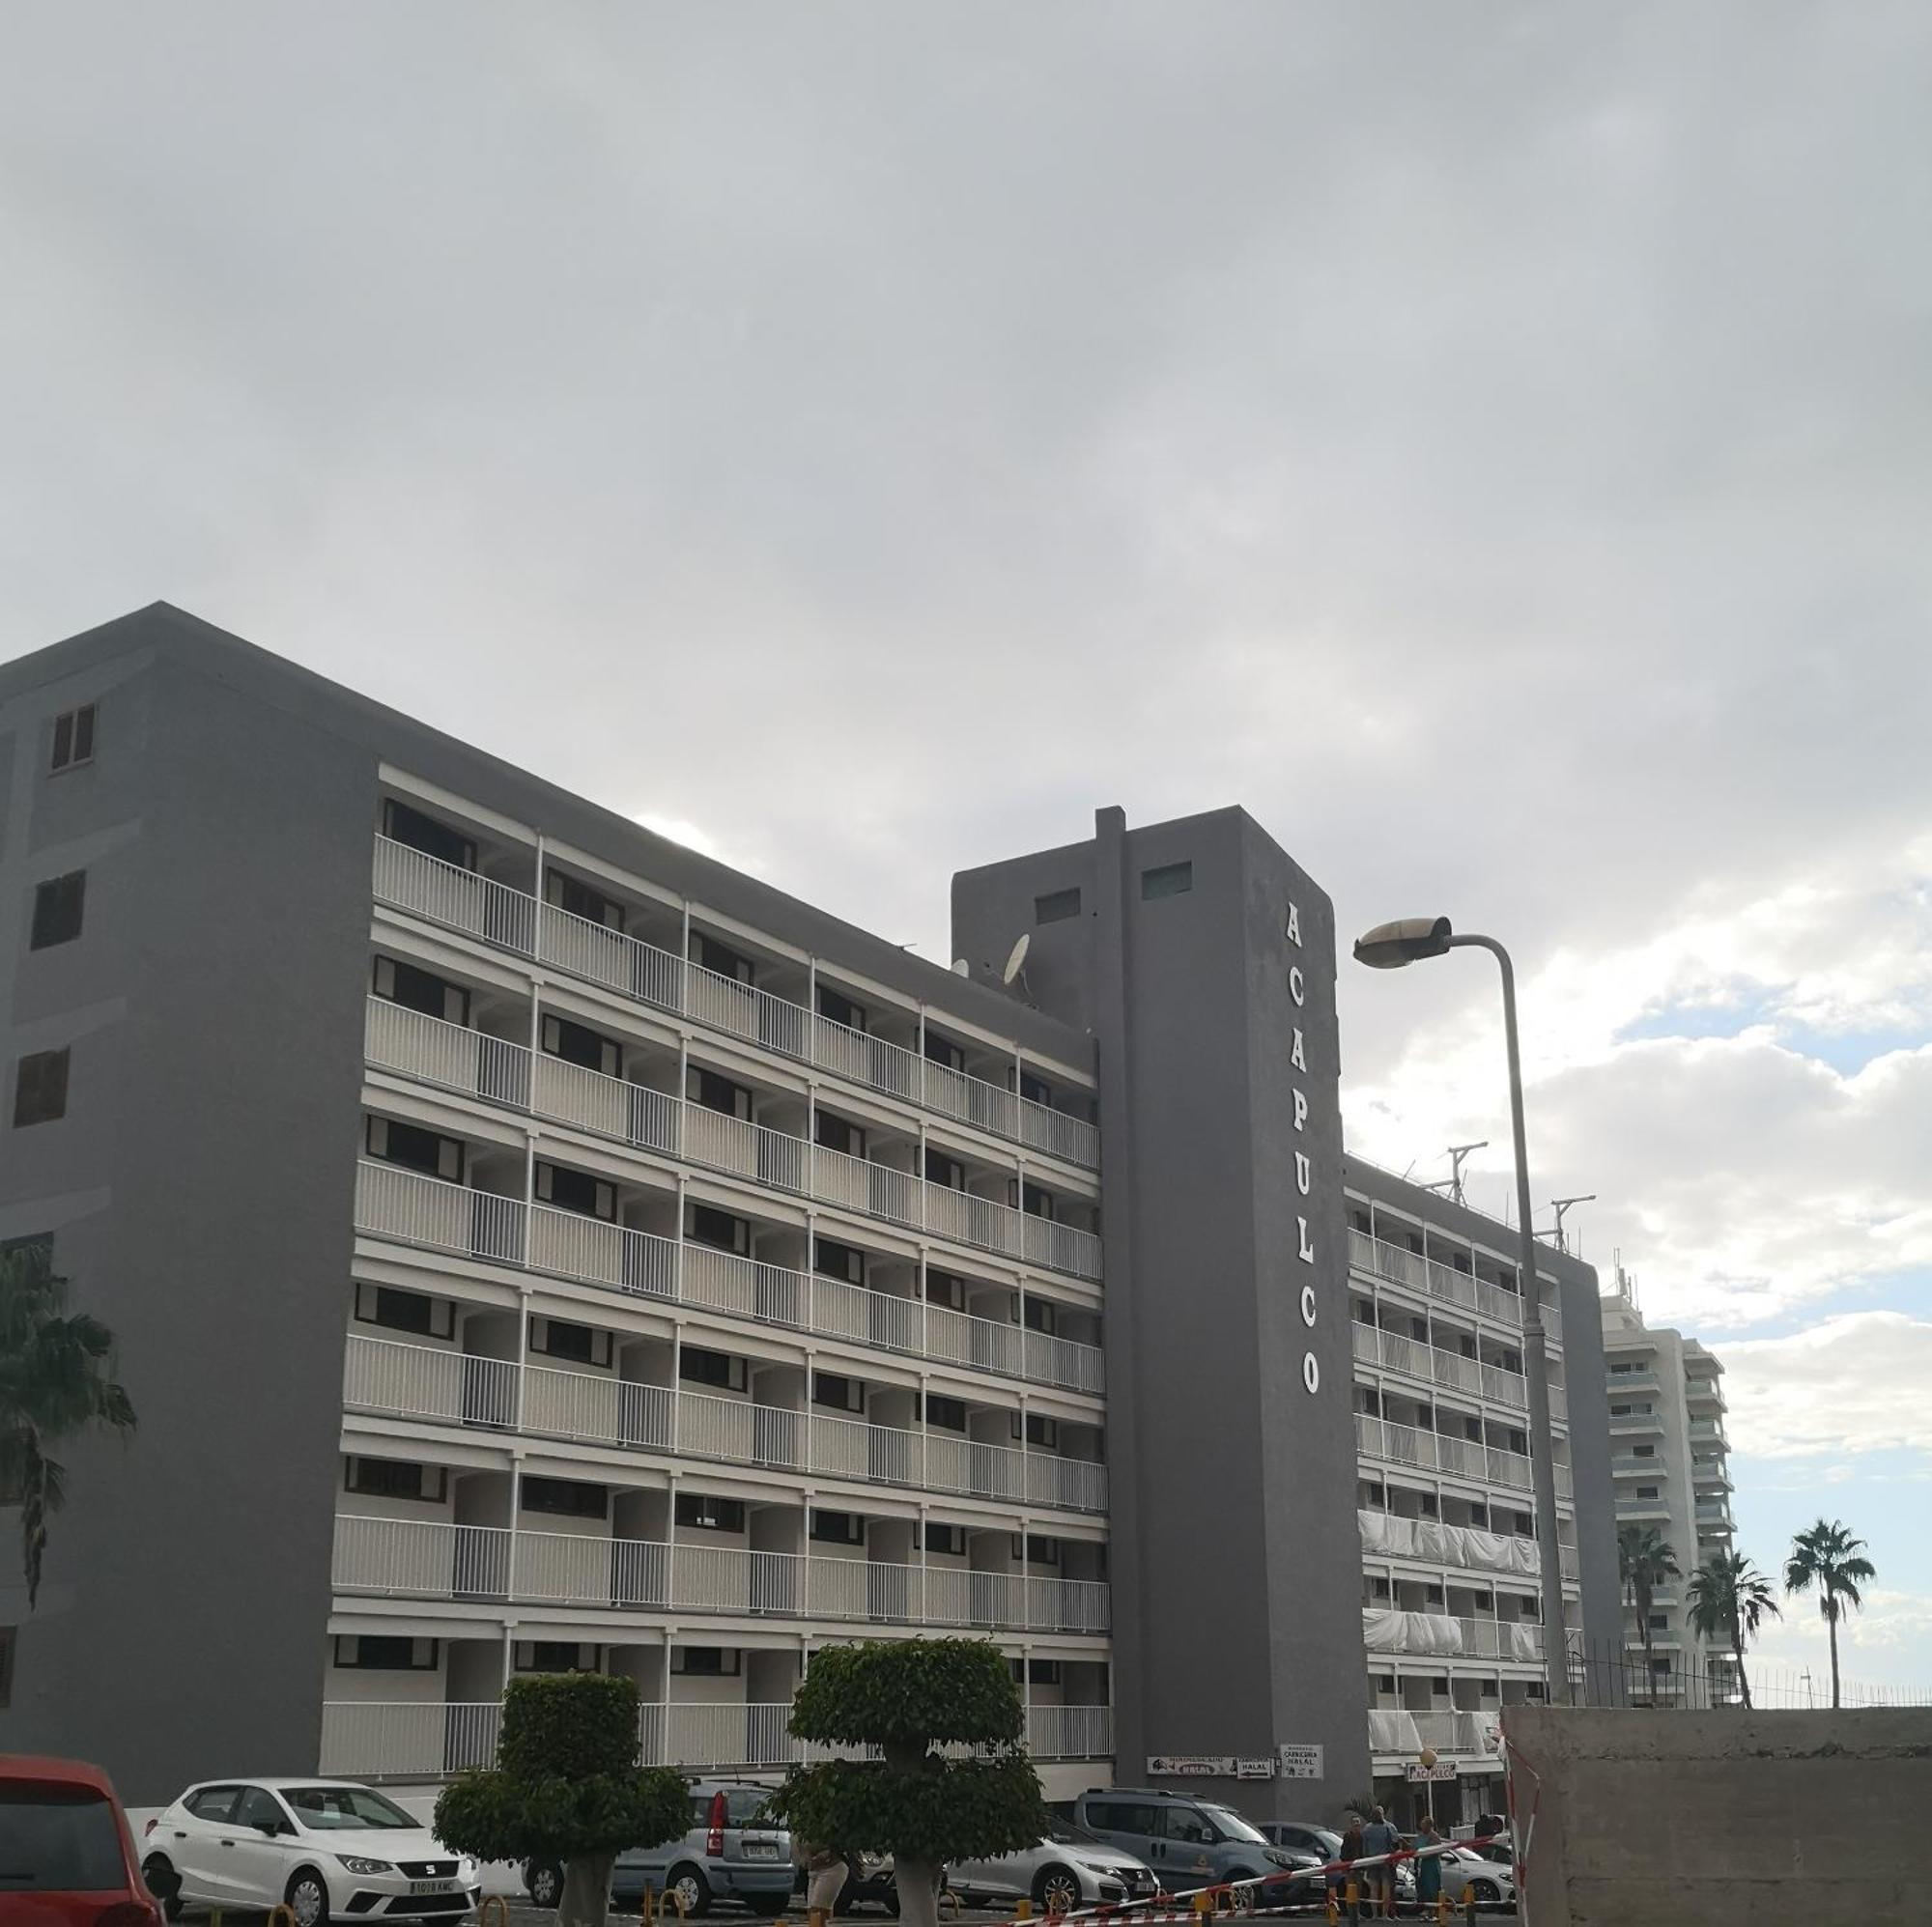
[(961, 968), (1016, 961)]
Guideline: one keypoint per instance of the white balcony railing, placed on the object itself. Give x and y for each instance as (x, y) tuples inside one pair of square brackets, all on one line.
[(434, 1559), (506, 919), (499, 1073), (425, 1382), (1380, 1259), (433, 1739), (1438, 1635), (1431, 1365), (394, 1203), (1441, 1452)]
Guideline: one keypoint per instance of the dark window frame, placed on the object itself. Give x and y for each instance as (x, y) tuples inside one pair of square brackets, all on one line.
[(709, 1511), (1165, 880), (563, 1498), (696, 1216), (426, 1492), (388, 1640), (850, 1531), (76, 732), (681, 1665), (373, 1296), (737, 1373), (600, 1353), (40, 1085), (1057, 906), (397, 814)]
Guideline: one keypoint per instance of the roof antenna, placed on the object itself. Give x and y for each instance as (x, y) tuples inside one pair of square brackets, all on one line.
[(1453, 1183), (1561, 1205)]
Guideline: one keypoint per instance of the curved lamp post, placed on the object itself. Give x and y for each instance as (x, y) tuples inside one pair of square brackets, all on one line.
[(1389, 947)]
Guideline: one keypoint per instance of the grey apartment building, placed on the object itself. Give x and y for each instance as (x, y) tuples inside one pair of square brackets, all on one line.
[(532, 1245)]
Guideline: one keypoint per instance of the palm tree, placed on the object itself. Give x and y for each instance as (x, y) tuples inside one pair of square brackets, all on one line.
[(1644, 1560), (1829, 1558), (1730, 1599), (54, 1384)]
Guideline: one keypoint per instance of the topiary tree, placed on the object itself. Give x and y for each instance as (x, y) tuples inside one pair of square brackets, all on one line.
[(906, 1697), (567, 1787)]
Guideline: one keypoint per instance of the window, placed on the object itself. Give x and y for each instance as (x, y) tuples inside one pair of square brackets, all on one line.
[(579, 900), (1647, 1492), (1379, 1589), (700, 1367), (580, 1045), (1120, 1816), (261, 1810), (710, 1515), (73, 737), (717, 1093), (948, 1413), (416, 1150), (1036, 1202), (943, 1051), (215, 1805), (943, 1170), (831, 1133), (711, 954), (842, 1394), (558, 1337), (1660, 1622), (418, 989), (1044, 1672), (557, 1656), (706, 1225), (401, 824), (405, 1311), (387, 1652), (712, 1663), (57, 908), (1042, 1551), (1188, 1825), (40, 1087), (947, 1539), (1643, 1452), (1042, 1431), (577, 1191), (1429, 1505), (395, 1479), (1169, 880), (832, 1260), (569, 1498), (1056, 906), (837, 1008), (1041, 1315), (838, 1528), (943, 1288), (1036, 1089)]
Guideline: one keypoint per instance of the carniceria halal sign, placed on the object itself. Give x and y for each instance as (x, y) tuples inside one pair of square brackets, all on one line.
[(1304, 1170)]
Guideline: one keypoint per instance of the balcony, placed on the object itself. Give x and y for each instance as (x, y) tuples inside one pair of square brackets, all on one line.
[(394, 1203), (1635, 1424), (505, 918), (1714, 1515), (1616, 1383), (512, 1077), (1440, 1451), (1706, 1432), (1399, 1733), (1382, 1260), (429, 1559), (1432, 1365), (1640, 1508), (428, 1385), (1629, 1466), (434, 1739), (1438, 1635), (1710, 1474)]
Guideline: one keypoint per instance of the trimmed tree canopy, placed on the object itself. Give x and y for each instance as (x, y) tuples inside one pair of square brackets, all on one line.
[(567, 1782)]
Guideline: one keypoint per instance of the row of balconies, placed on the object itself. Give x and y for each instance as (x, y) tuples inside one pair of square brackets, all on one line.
[(1439, 1635), (1468, 1548), (429, 1383), (1398, 1265), (395, 1203), (512, 1077), (1394, 1444), (434, 1559), (511, 919), (1431, 1365), (1395, 1732), (435, 1738)]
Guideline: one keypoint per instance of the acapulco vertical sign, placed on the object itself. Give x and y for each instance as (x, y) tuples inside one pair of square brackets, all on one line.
[(1304, 1170)]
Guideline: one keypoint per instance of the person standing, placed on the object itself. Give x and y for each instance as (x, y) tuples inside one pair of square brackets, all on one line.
[(1380, 1837), (1428, 1867), (1350, 1848), (824, 1876)]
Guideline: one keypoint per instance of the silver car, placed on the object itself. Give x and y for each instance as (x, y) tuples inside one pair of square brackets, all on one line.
[(1070, 1868), (1493, 1883)]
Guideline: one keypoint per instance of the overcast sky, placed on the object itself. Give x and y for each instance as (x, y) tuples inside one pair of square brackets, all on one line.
[(1489, 442)]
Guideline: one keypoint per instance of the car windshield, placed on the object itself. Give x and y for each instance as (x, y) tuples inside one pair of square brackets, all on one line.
[(1233, 1825), (336, 1809), (58, 1839), (1063, 1834)]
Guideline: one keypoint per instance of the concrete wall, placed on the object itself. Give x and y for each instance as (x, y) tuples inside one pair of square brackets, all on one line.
[(1235, 1554), (1725, 1817)]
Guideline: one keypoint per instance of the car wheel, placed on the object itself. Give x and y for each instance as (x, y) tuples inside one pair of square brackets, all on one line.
[(163, 1883), (543, 1882), (1057, 1890), (1487, 1892), (691, 1888), (308, 1899)]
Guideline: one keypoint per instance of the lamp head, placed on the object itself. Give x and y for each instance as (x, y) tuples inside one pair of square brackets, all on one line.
[(1390, 946)]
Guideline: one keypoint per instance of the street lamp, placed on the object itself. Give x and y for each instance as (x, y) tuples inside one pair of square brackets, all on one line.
[(1389, 947)]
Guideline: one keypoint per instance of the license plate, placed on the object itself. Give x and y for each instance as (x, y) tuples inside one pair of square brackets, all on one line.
[(432, 1886), (762, 1849)]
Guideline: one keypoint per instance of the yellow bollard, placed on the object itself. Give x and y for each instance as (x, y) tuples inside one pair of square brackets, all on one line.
[(1334, 1912), (1024, 1910), (1441, 1910), (1469, 1903), (1203, 1903), (282, 1914), (1351, 1899), (483, 1914)]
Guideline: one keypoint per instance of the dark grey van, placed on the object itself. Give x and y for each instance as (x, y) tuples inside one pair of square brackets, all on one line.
[(1189, 1843)]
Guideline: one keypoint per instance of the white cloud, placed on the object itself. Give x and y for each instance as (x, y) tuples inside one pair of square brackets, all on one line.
[(1881, 1651), (1855, 1383)]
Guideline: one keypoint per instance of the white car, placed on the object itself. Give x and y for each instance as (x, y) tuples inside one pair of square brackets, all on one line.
[(1070, 1868), (1493, 1880), (324, 1848)]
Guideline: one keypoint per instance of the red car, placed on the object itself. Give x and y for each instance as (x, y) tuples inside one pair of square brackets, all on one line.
[(67, 1858)]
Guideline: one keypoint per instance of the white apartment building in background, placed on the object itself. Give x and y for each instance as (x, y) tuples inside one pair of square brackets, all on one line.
[(1671, 1466)]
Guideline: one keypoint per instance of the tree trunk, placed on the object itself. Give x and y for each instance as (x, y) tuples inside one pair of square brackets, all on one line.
[(1737, 1649), (917, 1883), (1832, 1627), (586, 1889)]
